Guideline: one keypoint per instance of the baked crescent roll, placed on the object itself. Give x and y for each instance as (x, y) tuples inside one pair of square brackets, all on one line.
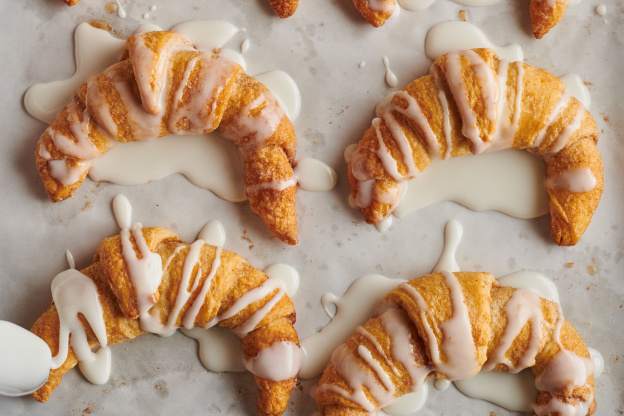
[(453, 325), (545, 14), (473, 102), (163, 85), (148, 280)]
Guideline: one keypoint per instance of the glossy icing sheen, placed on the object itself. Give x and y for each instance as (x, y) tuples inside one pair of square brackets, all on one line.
[(208, 162), (514, 392), (502, 106)]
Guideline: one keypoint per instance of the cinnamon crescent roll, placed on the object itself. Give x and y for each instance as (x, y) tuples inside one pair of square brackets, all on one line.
[(453, 325), (149, 280), (473, 102), (163, 85)]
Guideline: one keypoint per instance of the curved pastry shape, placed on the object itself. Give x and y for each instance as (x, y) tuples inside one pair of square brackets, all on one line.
[(148, 280), (163, 85), (472, 102), (492, 327)]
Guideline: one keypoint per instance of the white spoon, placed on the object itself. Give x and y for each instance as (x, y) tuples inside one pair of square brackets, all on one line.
[(24, 360)]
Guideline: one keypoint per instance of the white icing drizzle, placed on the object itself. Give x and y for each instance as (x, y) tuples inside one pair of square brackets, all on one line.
[(81, 147), (189, 317), (280, 361), (567, 132), (554, 116), (273, 185), (244, 46), (391, 78), (352, 309), (457, 343), (74, 293), (396, 325), (265, 289), (383, 6), (523, 306), (256, 122), (120, 10), (358, 378), (122, 210), (572, 180), (363, 332), (564, 371), (65, 174), (70, 259), (212, 76), (489, 94), (445, 114)]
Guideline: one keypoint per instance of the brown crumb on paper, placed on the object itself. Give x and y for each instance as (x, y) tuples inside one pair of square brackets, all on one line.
[(87, 411), (591, 270), (463, 15), (570, 265), (100, 24), (110, 7)]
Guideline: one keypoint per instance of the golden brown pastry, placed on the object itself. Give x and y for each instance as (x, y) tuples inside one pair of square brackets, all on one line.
[(284, 8), (163, 85), (473, 102), (454, 324), (148, 280), (545, 14)]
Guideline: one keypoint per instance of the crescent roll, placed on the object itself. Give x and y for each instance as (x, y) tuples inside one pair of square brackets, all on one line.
[(474, 102), (453, 325), (149, 280), (163, 85)]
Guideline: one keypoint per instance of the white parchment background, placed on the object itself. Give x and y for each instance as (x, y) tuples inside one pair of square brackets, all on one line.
[(320, 47)]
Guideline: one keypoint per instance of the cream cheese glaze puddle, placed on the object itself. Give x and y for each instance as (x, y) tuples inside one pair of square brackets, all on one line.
[(208, 161)]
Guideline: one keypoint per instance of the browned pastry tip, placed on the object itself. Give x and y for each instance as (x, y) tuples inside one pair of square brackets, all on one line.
[(474, 102), (237, 296), (284, 8), (163, 85), (545, 14), (376, 14), (453, 325)]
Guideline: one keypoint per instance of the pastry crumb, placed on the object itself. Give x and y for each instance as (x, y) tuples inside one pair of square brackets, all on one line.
[(463, 15), (110, 7), (570, 265), (87, 411), (591, 270), (100, 24)]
